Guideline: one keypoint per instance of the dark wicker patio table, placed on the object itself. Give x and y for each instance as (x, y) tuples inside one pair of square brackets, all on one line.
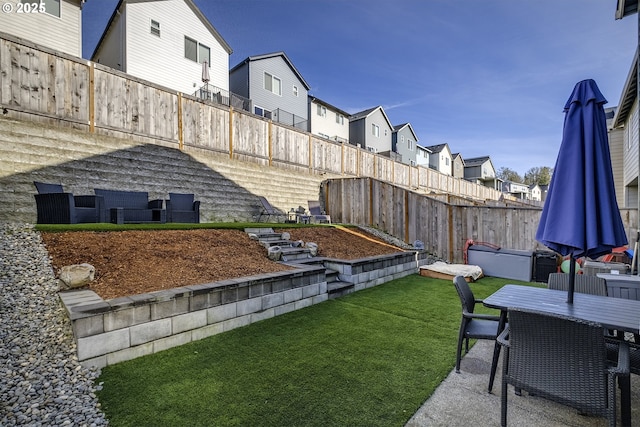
[(612, 313)]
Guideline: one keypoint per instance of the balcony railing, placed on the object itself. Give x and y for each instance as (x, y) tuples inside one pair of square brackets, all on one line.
[(223, 97)]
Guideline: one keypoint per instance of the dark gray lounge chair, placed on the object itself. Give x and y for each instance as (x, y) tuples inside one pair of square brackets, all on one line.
[(475, 325), (54, 206), (565, 360), (183, 208), (268, 211), (317, 213)]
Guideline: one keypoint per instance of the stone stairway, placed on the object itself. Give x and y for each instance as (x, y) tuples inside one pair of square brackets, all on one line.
[(278, 245), (292, 252)]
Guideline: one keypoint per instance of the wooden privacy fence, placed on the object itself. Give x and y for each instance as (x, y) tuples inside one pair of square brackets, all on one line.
[(444, 226), (40, 84)]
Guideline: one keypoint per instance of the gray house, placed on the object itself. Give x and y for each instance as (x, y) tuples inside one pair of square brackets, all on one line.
[(371, 129), (480, 170), (404, 142), (275, 87)]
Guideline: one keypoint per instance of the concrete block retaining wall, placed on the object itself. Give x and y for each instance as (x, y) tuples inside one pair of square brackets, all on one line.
[(112, 331)]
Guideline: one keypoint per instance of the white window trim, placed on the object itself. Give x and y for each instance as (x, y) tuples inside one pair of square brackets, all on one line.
[(375, 130), (153, 27), (273, 78)]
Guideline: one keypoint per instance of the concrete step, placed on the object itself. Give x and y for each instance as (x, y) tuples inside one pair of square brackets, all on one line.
[(339, 288), (282, 243), (331, 275), (290, 254)]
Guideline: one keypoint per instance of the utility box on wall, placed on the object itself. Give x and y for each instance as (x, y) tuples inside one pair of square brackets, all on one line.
[(500, 262)]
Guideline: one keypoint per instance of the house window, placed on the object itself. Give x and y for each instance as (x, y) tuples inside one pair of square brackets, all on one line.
[(295, 90), (446, 161), (322, 111), (375, 130), (190, 49), (155, 28), (402, 139), (262, 112), (410, 144), (272, 84), (339, 119), (204, 54), (52, 7), (195, 51)]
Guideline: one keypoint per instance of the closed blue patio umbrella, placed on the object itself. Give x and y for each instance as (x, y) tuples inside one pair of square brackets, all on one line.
[(580, 217)]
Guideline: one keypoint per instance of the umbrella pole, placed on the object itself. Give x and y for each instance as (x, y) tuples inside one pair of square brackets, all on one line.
[(572, 278)]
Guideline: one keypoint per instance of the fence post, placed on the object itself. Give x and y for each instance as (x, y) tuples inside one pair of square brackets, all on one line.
[(230, 132), (270, 141), (92, 98), (406, 215), (310, 155), (180, 136)]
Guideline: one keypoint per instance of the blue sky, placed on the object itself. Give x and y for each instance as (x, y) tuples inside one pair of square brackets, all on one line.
[(487, 77)]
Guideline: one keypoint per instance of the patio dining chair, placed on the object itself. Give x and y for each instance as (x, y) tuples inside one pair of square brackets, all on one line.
[(585, 284), (563, 359), (475, 325)]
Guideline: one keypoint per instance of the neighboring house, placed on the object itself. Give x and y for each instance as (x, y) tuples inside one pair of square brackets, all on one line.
[(328, 121), (535, 192), (516, 189), (623, 137), (617, 150), (422, 156), (440, 158), (480, 170), (371, 129), (404, 142), (165, 42), (56, 25), (457, 169), (275, 87), (544, 189)]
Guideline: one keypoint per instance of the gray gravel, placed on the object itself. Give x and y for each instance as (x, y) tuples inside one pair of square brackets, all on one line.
[(41, 381)]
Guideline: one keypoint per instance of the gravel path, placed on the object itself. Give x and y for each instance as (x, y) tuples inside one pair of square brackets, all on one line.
[(41, 381)]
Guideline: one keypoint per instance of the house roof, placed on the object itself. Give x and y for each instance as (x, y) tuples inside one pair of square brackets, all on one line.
[(273, 55), (477, 161), (628, 96), (438, 148), (398, 128), (326, 104), (366, 113), (421, 147), (456, 155), (191, 5), (626, 8)]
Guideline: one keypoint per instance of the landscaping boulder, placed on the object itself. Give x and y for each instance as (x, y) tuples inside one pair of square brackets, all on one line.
[(274, 253), (76, 276), (313, 248)]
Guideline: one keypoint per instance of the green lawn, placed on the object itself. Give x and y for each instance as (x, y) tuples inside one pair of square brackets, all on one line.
[(367, 359)]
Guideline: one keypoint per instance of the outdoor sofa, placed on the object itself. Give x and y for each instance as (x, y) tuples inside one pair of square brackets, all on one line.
[(122, 207)]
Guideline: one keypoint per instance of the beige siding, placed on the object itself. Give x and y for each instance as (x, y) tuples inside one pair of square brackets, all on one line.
[(616, 147), (327, 125), (63, 34)]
